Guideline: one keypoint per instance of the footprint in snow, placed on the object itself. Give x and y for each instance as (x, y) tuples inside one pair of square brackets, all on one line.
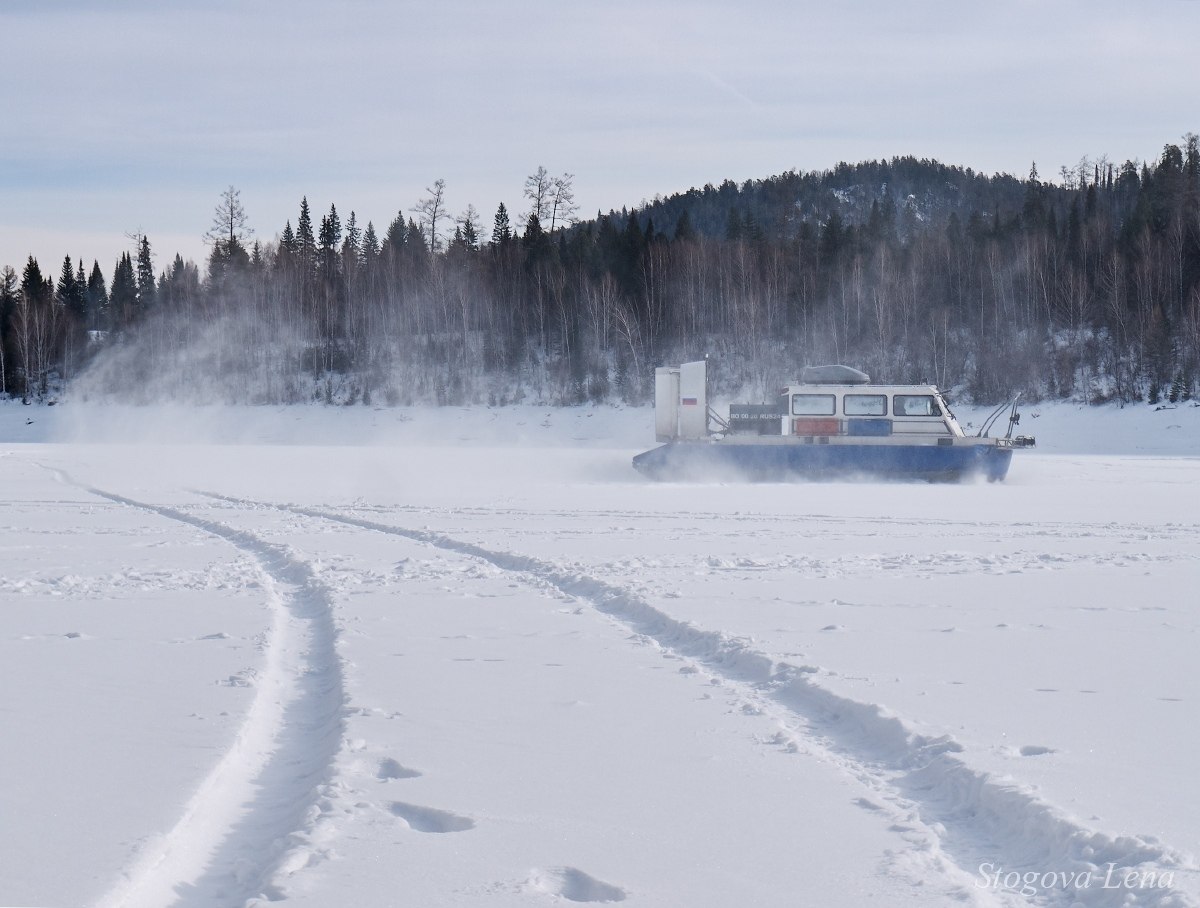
[(574, 885), (390, 769), (430, 819)]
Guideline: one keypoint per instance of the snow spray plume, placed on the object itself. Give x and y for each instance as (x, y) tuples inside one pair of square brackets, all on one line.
[(173, 363)]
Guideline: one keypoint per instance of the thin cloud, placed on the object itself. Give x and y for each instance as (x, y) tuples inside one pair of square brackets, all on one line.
[(140, 113)]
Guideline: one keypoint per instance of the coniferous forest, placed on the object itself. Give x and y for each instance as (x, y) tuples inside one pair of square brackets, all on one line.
[(1083, 285)]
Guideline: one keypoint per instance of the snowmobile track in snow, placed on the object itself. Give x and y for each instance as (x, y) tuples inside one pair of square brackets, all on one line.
[(247, 817), (954, 819)]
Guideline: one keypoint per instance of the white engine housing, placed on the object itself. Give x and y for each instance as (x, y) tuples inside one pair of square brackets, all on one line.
[(681, 401)]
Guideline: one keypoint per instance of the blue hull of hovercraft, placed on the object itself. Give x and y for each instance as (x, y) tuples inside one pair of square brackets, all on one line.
[(774, 462)]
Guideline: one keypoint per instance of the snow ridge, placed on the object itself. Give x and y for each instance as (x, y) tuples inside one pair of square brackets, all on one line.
[(955, 819), (249, 822)]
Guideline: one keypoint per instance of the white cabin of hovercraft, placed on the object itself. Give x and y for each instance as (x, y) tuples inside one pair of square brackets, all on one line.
[(837, 401), (828, 403)]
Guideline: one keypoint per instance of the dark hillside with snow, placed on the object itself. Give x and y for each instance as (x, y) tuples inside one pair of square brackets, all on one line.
[(1085, 286)]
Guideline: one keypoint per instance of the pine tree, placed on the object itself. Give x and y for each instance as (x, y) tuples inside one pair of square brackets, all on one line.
[(633, 238), (351, 246), (285, 255), (123, 298), (501, 229), (8, 307), (70, 299), (34, 328), (734, 230), (534, 237), (328, 238), (33, 285), (1033, 211), (414, 240), (833, 238), (397, 234), (228, 266), (288, 241), (468, 228), (97, 299), (70, 295), (370, 246), (335, 226), (171, 289), (306, 244), (371, 254), (146, 290), (684, 231)]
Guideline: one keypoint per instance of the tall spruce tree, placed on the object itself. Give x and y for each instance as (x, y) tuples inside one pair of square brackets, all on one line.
[(147, 290), (329, 237), (97, 299), (35, 289), (36, 326), (351, 246), (81, 283), (69, 294), (123, 297), (684, 231), (468, 223), (285, 255), (501, 228), (370, 246), (9, 285), (306, 253)]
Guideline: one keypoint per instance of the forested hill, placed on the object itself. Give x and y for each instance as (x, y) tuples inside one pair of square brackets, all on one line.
[(1084, 285), (905, 192)]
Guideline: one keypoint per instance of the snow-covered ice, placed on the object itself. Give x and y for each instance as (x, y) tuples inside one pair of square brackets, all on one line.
[(470, 657)]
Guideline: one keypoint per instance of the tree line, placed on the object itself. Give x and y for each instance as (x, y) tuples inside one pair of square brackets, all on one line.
[(1085, 286)]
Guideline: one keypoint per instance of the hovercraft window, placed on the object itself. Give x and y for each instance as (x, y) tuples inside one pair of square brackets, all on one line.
[(814, 405), (915, 405), (865, 405)]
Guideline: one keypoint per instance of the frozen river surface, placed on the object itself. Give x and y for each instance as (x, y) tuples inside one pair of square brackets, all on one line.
[(472, 658)]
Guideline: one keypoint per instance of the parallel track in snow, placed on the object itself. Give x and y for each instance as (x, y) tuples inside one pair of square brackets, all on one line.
[(920, 525), (248, 816), (953, 818)]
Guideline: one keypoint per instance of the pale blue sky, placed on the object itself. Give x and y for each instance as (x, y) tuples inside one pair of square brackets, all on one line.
[(130, 116)]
